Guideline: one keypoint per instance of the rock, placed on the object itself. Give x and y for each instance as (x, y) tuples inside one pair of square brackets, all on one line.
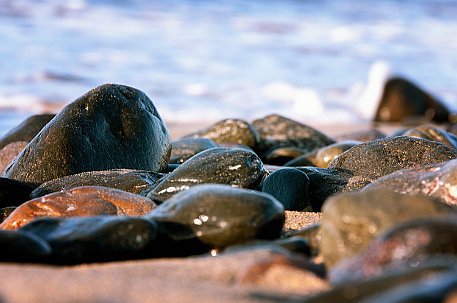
[(25, 131), (230, 131), (433, 133), (277, 131), (184, 149), (402, 100), (290, 187), (22, 247), (9, 152), (323, 156), (219, 215), (79, 202), (232, 166), (5, 212), (111, 126), (311, 234), (372, 160), (95, 239), (130, 180), (363, 135), (13, 193), (410, 242), (436, 180), (350, 221), (281, 155)]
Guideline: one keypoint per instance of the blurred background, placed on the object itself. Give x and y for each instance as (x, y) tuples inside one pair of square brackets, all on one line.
[(315, 61)]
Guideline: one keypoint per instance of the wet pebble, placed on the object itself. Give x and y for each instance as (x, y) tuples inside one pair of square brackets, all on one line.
[(111, 126), (130, 180), (219, 216), (351, 221), (290, 187), (363, 135), (94, 239), (9, 152), (232, 166), (433, 133), (186, 148), (230, 131), (14, 193), (22, 247), (5, 212), (278, 131), (282, 155), (79, 201)]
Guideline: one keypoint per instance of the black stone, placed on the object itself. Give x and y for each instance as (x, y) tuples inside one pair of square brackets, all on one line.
[(5, 212), (111, 126), (232, 166), (433, 133), (290, 187), (281, 155), (22, 247), (184, 149), (14, 193)]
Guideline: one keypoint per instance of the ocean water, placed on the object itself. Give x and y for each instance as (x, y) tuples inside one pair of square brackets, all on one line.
[(317, 61)]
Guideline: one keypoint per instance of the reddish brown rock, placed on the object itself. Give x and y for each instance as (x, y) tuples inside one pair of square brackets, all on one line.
[(80, 201), (9, 152)]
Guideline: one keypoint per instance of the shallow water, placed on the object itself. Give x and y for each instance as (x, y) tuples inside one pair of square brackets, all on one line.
[(206, 60)]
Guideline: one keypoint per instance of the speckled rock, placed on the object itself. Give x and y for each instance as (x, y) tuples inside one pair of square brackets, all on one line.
[(232, 166), (350, 221), (402, 100), (79, 202), (363, 135), (5, 212), (374, 159), (22, 247), (323, 156), (281, 155), (219, 215), (436, 180), (130, 180), (95, 239), (433, 133), (276, 131), (111, 126), (13, 193), (230, 131), (410, 242), (9, 152), (25, 131), (186, 148), (290, 187)]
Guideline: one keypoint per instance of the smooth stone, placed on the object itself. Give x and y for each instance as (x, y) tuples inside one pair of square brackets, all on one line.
[(129, 180), (9, 152), (26, 130), (436, 180), (111, 126), (5, 212), (278, 131), (295, 245), (372, 160), (22, 247), (230, 131), (350, 221), (232, 166), (290, 187), (281, 155), (433, 133), (402, 99), (186, 148), (95, 239), (79, 202), (219, 215), (363, 135), (409, 242), (13, 193), (311, 234), (323, 156)]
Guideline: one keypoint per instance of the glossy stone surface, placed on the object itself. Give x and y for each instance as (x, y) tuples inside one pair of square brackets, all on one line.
[(25, 131), (219, 215), (79, 202), (290, 187), (111, 126), (276, 131), (186, 148), (282, 155), (374, 159), (230, 131), (93, 239), (361, 135), (130, 180), (436, 180), (9, 152), (232, 166), (13, 193), (350, 221), (433, 133), (22, 247)]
